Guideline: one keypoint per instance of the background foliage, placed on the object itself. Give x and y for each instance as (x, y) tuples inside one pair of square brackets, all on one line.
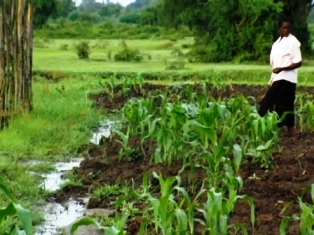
[(224, 30)]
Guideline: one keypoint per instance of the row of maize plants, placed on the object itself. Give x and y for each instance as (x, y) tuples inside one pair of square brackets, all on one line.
[(215, 136)]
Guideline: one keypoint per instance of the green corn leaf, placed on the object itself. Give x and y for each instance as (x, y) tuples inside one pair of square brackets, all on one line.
[(120, 224), (252, 206), (8, 211), (25, 217), (284, 225), (223, 224), (312, 192), (237, 157), (265, 147), (209, 132), (84, 222), (182, 220), (15, 231), (113, 231), (242, 228), (286, 207)]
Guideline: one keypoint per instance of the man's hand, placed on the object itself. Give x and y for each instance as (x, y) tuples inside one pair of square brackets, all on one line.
[(277, 70)]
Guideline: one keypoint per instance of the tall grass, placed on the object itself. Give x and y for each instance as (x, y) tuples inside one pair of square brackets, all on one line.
[(59, 124)]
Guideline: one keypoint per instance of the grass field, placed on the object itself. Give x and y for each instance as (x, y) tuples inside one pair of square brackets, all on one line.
[(54, 59)]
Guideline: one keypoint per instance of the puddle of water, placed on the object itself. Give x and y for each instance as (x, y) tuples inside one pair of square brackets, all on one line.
[(58, 216), (103, 131), (53, 180)]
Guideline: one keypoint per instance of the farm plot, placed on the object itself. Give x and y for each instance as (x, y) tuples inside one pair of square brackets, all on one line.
[(197, 159)]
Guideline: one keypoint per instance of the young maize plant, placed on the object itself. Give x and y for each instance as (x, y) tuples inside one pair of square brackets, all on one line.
[(217, 210), (306, 218), (167, 213), (304, 113), (167, 124)]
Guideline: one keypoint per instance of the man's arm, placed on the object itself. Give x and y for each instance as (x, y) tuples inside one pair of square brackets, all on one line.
[(290, 67)]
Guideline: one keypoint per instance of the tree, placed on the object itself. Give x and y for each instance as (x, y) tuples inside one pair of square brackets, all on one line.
[(234, 29), (16, 53), (16, 43), (110, 9), (43, 10), (90, 6), (299, 10), (64, 7), (149, 16)]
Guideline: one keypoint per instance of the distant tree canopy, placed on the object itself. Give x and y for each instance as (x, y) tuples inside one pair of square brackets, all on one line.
[(64, 7), (43, 10), (241, 29)]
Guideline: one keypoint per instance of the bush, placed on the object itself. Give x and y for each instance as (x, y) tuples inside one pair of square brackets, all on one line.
[(177, 52), (83, 49), (128, 54), (186, 46), (64, 47), (39, 43), (132, 18)]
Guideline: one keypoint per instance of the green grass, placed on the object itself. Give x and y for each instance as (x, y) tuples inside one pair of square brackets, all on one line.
[(60, 123), (53, 59), (24, 186)]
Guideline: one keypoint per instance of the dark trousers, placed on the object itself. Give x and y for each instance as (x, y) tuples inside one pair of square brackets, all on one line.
[(280, 98)]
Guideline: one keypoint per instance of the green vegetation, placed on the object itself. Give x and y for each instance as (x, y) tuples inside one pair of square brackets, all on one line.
[(60, 123), (176, 120), (15, 209), (96, 46), (224, 31)]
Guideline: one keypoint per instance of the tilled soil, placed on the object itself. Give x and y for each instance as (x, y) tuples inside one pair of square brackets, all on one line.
[(271, 189)]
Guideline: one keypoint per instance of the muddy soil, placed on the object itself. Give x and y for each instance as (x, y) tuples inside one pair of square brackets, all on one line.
[(292, 173)]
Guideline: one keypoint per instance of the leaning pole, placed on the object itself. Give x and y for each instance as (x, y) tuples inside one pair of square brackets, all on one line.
[(16, 58)]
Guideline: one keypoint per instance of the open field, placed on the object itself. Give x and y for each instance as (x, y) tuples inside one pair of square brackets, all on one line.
[(54, 59)]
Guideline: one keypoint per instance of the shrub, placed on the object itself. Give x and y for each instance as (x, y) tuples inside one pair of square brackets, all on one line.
[(177, 52), (186, 46), (83, 49), (39, 43), (128, 54), (64, 47)]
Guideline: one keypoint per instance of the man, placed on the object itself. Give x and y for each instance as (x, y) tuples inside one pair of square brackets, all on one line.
[(285, 59)]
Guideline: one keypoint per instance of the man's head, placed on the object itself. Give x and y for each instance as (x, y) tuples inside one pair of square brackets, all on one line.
[(285, 26)]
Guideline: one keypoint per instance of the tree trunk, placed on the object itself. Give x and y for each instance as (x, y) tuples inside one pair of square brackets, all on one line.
[(16, 49)]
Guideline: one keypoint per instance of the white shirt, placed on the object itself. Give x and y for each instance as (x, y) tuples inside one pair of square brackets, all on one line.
[(284, 52)]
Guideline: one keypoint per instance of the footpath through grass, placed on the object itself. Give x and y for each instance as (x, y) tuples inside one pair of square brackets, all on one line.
[(60, 123)]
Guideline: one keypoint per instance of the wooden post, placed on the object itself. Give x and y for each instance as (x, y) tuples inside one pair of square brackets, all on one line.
[(16, 51)]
